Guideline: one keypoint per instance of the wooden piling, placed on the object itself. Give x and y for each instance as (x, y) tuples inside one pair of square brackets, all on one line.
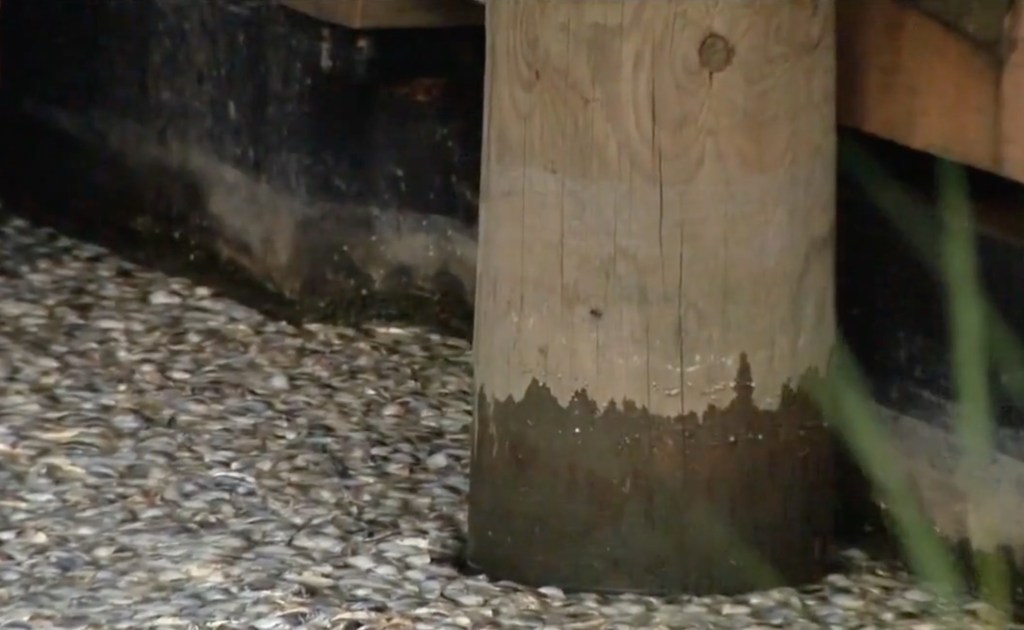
[(655, 287)]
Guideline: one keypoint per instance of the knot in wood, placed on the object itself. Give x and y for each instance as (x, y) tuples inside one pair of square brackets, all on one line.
[(716, 53)]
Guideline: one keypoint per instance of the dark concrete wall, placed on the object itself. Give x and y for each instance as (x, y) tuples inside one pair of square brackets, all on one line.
[(330, 164), (892, 304)]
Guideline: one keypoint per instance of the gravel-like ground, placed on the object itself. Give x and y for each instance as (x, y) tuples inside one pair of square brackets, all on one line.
[(169, 459)]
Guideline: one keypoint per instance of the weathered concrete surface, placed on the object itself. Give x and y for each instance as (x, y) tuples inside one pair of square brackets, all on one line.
[(334, 166), (310, 251)]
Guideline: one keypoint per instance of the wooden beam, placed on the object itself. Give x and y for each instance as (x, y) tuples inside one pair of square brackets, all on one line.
[(906, 77), (655, 281), (370, 14)]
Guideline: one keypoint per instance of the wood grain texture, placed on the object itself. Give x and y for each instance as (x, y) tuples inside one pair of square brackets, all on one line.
[(908, 78), (644, 220), (392, 13)]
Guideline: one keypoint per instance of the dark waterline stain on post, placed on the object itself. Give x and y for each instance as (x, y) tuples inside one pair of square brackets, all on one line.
[(733, 499)]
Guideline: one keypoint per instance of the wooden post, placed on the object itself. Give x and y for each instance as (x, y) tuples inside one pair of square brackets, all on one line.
[(655, 283)]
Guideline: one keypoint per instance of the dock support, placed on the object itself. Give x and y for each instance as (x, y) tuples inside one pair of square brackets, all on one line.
[(655, 285)]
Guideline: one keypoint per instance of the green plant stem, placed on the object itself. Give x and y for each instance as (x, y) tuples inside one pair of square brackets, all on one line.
[(850, 408), (965, 302), (979, 335)]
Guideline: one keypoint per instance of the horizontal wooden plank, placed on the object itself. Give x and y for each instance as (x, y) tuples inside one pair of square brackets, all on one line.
[(392, 13), (908, 78)]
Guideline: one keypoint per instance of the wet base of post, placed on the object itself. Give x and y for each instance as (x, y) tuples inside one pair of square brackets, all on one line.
[(618, 500)]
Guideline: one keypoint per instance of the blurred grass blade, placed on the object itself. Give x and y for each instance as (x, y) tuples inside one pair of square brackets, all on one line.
[(969, 343), (965, 301), (903, 211), (850, 408), (948, 250)]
